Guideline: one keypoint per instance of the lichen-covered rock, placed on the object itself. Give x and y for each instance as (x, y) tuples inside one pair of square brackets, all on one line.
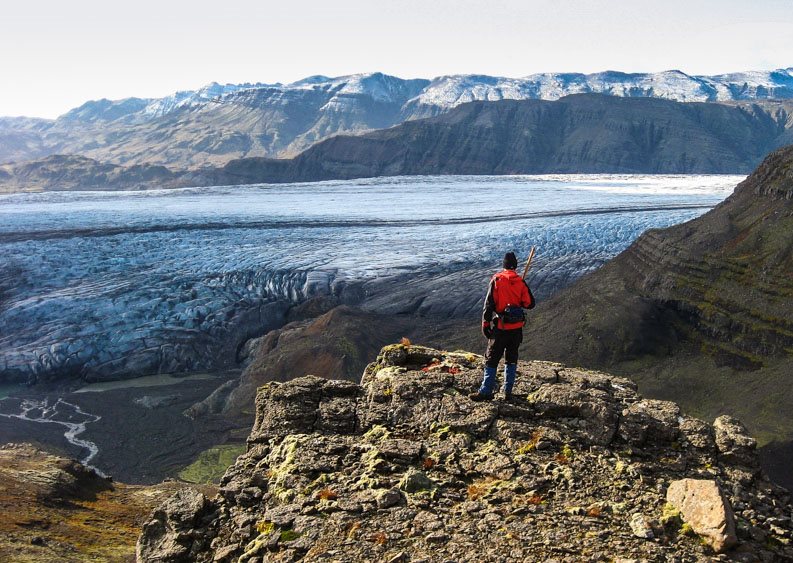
[(405, 467), (594, 407), (415, 481), (734, 442), (173, 533), (307, 404), (640, 527), (702, 505)]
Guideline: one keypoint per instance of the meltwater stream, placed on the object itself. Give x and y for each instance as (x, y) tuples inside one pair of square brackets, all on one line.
[(108, 285), (70, 416)]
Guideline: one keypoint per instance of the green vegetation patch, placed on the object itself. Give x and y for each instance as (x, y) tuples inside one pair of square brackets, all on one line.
[(211, 464)]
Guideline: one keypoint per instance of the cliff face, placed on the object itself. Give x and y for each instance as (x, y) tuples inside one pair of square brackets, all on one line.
[(404, 467), (584, 133), (698, 312)]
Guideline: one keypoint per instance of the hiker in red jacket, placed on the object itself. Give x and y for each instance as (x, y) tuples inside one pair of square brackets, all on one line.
[(507, 296)]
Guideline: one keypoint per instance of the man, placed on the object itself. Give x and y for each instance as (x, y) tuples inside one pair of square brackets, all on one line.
[(507, 296)]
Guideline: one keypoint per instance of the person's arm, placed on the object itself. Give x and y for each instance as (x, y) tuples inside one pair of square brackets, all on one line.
[(490, 304), (488, 310), (528, 297)]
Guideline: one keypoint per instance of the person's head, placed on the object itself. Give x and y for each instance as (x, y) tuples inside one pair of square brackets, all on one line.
[(510, 261)]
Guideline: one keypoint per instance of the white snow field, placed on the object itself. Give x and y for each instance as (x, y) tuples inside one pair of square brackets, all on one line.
[(109, 285)]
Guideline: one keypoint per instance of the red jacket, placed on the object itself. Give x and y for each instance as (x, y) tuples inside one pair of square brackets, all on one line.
[(506, 288)]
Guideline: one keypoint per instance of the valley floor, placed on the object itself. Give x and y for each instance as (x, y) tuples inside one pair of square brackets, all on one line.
[(142, 435)]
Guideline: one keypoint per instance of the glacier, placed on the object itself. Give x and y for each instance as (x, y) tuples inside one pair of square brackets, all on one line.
[(112, 285)]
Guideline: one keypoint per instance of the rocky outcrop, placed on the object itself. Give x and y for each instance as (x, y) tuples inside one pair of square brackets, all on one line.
[(63, 480), (337, 343), (404, 467)]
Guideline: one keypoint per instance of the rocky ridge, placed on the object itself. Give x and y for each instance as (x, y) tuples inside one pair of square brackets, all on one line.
[(404, 467), (696, 313)]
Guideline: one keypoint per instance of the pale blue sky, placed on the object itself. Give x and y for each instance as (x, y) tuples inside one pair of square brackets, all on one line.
[(57, 54)]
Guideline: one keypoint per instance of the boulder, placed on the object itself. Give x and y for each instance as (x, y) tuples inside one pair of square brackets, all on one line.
[(733, 441), (703, 506), (415, 481), (640, 527), (650, 420), (593, 407)]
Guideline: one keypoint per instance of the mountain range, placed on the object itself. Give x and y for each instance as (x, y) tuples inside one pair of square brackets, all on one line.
[(581, 133), (218, 123)]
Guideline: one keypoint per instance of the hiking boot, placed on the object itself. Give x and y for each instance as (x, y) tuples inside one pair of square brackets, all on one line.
[(507, 396), (480, 397)]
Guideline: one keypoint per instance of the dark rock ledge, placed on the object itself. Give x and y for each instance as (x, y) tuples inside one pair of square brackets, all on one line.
[(404, 467)]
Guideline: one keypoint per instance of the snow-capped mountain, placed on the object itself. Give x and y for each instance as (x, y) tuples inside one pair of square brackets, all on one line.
[(219, 122), (421, 97), (446, 92), (191, 98)]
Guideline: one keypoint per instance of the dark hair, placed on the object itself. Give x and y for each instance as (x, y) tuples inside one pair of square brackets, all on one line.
[(510, 261)]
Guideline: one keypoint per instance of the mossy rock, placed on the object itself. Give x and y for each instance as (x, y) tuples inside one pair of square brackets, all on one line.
[(211, 464)]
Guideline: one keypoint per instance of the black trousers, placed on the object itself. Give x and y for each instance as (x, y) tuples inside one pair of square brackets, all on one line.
[(503, 341)]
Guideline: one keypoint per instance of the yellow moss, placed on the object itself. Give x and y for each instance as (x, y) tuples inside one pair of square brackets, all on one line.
[(531, 445), (669, 513), (289, 535), (286, 452)]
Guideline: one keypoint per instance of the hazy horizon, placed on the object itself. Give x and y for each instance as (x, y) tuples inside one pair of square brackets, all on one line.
[(67, 54)]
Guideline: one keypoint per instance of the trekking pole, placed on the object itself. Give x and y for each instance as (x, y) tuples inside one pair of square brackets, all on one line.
[(528, 263)]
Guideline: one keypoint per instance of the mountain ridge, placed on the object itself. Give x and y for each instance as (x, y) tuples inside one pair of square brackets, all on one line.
[(582, 133), (219, 122), (698, 313)]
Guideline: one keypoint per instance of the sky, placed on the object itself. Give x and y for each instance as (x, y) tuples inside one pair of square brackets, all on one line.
[(57, 54)]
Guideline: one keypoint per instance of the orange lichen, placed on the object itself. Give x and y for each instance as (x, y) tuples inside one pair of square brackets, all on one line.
[(535, 499), (379, 538), (594, 512), (327, 494)]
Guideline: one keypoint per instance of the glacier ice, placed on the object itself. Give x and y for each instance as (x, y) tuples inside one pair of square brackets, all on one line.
[(106, 285)]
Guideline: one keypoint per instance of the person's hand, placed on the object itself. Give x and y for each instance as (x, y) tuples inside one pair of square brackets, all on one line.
[(487, 330)]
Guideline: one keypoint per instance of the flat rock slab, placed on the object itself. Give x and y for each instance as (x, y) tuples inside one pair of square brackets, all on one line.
[(702, 504)]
